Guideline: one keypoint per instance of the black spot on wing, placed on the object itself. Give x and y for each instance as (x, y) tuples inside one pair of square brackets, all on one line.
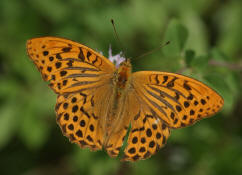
[(81, 55)]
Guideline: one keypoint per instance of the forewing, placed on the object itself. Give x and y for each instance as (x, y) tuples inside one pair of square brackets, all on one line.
[(177, 100), (69, 66)]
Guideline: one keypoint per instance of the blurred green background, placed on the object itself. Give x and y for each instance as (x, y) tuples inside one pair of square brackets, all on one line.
[(206, 44)]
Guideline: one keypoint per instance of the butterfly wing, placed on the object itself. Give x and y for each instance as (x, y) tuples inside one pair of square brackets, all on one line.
[(69, 66), (79, 116), (148, 132), (178, 100), (160, 101), (82, 78)]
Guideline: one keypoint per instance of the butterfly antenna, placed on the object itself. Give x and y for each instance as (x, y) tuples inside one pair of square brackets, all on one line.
[(153, 50), (117, 37)]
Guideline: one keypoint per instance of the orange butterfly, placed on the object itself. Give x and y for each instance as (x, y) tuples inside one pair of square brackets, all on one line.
[(97, 102)]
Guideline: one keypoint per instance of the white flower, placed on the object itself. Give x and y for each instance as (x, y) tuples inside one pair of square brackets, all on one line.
[(116, 59)]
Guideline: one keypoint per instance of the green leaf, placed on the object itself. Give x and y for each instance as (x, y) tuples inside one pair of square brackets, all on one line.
[(177, 34), (34, 130), (35, 115), (7, 123), (217, 54), (200, 62), (189, 56)]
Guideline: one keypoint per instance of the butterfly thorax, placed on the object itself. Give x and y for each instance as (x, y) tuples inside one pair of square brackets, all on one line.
[(121, 83), (123, 75)]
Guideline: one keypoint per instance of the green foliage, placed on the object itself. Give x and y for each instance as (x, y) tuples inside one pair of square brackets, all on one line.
[(205, 43), (177, 34)]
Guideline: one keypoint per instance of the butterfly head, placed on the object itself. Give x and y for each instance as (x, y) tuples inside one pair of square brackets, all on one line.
[(125, 63)]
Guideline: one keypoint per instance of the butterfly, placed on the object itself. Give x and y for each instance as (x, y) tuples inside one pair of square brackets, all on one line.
[(98, 102)]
